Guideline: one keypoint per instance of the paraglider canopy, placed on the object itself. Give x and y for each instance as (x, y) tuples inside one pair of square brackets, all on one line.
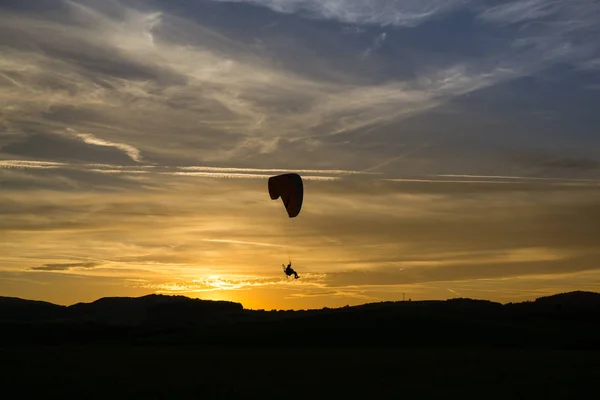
[(291, 190)]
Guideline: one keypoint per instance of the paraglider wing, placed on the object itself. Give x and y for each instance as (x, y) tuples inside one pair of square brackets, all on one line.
[(291, 190)]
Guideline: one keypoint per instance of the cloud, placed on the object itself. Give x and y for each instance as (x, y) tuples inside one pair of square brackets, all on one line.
[(180, 91), (554, 30), (458, 271), (556, 162), (218, 283), (591, 65), (129, 81), (380, 12), (363, 284), (66, 266), (377, 43), (382, 235), (520, 11), (183, 171), (325, 293), (91, 139)]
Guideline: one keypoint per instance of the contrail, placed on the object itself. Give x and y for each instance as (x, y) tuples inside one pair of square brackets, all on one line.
[(523, 178), (30, 164), (242, 170), (498, 182), (245, 176), (394, 159), (242, 242)]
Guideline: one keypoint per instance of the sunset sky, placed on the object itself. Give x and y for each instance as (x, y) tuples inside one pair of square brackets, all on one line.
[(449, 148)]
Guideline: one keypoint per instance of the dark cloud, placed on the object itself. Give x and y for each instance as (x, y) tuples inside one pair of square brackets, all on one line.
[(33, 5), (557, 162), (147, 70), (62, 148), (406, 227), (451, 273), (71, 179), (454, 185), (66, 266)]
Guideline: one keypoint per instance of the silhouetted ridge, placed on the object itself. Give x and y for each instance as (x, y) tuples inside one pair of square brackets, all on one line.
[(152, 308), (571, 299), (568, 320), (16, 309)]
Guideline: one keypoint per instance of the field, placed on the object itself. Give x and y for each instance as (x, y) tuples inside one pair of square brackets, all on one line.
[(154, 372)]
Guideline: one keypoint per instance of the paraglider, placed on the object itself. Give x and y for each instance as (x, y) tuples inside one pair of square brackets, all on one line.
[(291, 190), (289, 271)]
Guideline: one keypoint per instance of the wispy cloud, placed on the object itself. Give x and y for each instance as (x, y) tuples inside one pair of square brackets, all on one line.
[(380, 12), (377, 43), (550, 30), (591, 64), (220, 283), (349, 293), (484, 269), (307, 174), (519, 11), (88, 138), (190, 171), (128, 74)]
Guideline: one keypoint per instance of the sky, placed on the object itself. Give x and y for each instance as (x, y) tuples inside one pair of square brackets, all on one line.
[(449, 148)]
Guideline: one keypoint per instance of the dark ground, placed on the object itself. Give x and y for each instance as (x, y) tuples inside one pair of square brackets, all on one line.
[(167, 372), (161, 347)]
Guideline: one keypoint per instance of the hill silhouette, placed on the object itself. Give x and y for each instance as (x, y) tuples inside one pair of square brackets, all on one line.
[(115, 310), (566, 320), (175, 347), (578, 299), (15, 309)]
